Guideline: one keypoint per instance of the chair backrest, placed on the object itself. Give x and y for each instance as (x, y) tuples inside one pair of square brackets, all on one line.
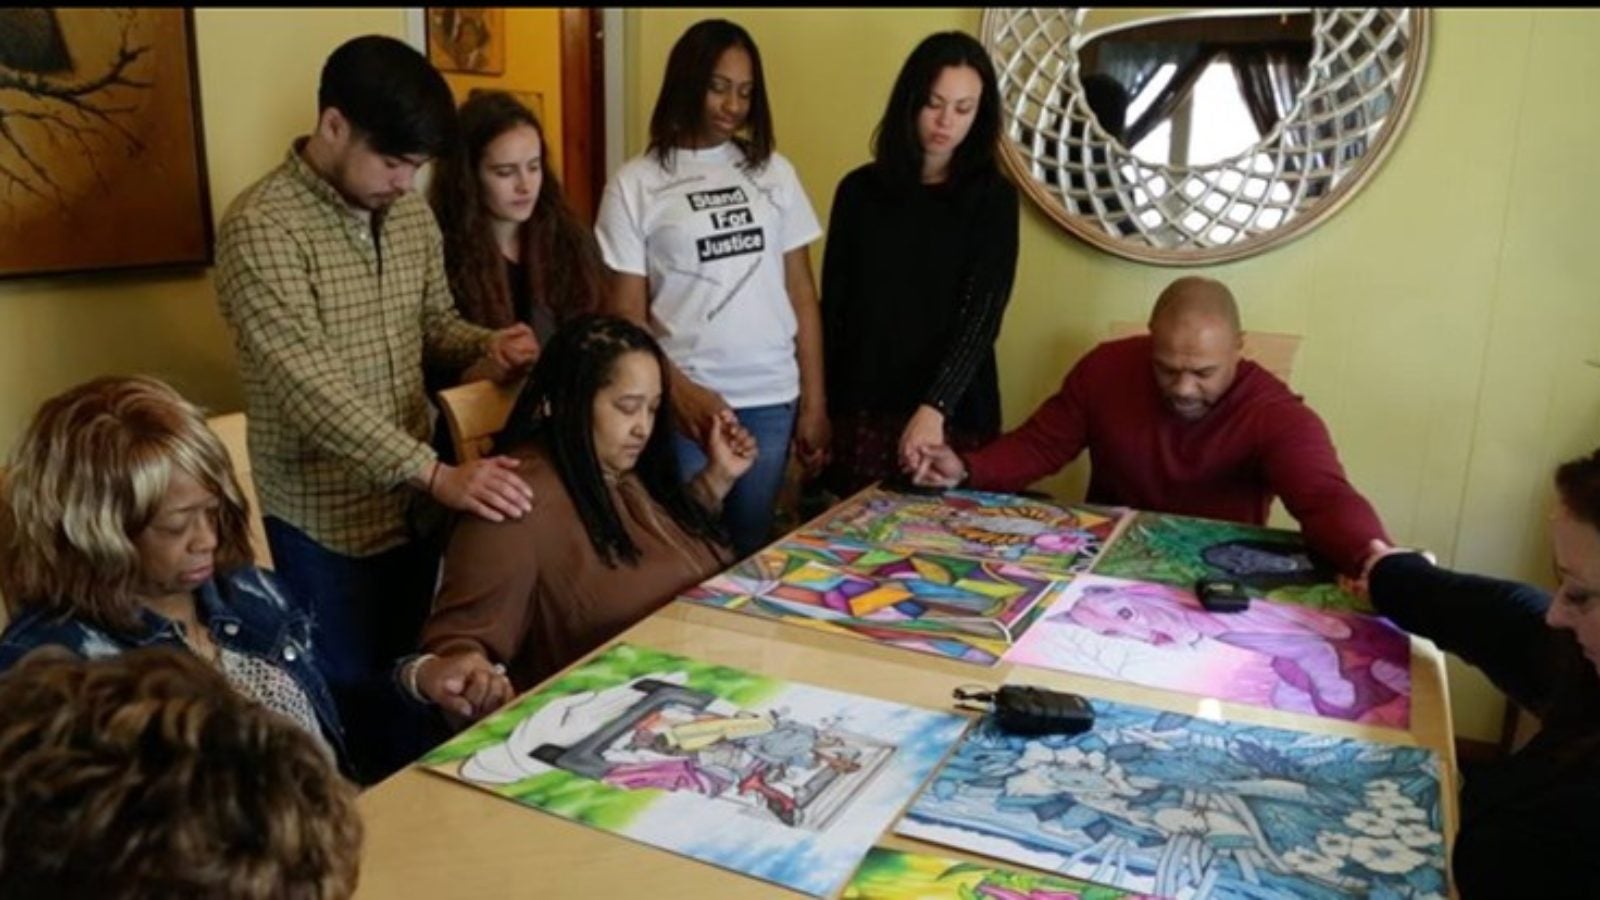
[(231, 429), (475, 412), (1273, 351)]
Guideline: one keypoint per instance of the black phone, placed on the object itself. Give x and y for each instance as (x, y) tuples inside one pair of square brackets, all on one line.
[(1222, 595)]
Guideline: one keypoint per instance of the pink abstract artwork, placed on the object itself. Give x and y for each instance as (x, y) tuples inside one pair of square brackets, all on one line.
[(1335, 665)]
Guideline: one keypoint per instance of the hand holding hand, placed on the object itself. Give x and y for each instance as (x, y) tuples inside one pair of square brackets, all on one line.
[(935, 465), (925, 429), (463, 684), (732, 449), (1377, 550), (511, 352), (813, 437), (697, 409), (484, 487)]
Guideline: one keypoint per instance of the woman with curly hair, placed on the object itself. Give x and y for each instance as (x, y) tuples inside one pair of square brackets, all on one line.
[(145, 775), (514, 250)]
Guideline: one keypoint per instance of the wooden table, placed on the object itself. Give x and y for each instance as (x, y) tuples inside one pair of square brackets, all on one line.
[(431, 837)]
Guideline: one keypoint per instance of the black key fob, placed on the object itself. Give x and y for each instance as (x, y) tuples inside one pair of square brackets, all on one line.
[(1028, 710), (1222, 595)]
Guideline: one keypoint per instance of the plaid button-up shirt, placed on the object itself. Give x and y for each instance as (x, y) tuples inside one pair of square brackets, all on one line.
[(333, 315)]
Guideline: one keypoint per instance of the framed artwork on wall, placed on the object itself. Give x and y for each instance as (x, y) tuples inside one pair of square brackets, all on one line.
[(102, 156), (467, 39)]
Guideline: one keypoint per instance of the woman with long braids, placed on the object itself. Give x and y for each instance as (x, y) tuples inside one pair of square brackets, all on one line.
[(614, 532)]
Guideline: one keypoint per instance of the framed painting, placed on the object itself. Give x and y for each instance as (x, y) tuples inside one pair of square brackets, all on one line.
[(102, 157), (467, 39)]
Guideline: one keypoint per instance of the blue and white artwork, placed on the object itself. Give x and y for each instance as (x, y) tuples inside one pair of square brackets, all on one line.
[(1178, 806)]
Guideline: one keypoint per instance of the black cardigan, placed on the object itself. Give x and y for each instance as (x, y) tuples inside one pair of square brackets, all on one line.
[(915, 280), (1530, 824)]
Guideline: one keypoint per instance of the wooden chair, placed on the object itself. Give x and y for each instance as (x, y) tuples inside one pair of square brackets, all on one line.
[(1270, 350), (475, 412), (231, 429)]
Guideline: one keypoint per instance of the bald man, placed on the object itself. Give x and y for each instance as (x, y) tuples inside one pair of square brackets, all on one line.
[(1175, 421)]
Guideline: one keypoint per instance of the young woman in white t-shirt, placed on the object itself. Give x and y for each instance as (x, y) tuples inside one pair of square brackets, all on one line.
[(706, 235)]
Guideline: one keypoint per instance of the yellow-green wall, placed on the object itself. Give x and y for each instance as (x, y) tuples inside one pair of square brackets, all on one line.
[(258, 87), (1447, 311)]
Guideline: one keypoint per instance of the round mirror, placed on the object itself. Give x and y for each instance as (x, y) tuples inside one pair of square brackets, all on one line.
[(1183, 137)]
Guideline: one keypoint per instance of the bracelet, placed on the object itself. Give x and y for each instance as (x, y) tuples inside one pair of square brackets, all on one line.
[(408, 676)]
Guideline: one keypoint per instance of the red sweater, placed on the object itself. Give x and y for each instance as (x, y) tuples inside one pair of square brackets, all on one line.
[(1260, 440)]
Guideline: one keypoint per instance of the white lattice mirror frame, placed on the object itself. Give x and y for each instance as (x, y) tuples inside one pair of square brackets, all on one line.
[(1363, 79)]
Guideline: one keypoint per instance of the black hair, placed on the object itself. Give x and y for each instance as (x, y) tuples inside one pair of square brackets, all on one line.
[(680, 111), (556, 410), (895, 144), (390, 94)]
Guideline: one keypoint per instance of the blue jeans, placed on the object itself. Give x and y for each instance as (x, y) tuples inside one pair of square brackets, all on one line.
[(366, 612), (747, 510)]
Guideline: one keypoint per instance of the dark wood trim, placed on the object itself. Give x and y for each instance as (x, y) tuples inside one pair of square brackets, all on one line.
[(583, 124)]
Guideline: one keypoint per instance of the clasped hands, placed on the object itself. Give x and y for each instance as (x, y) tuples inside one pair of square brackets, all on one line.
[(1377, 550)]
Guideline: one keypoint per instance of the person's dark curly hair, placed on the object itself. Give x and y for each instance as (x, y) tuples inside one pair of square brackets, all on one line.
[(145, 775)]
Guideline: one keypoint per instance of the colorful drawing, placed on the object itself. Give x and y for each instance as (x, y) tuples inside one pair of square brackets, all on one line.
[(892, 875), (1183, 807), (1055, 540), (1269, 562), (779, 781), (962, 608), (1334, 664)]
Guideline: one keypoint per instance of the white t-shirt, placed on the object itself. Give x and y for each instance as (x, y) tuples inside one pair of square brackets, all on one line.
[(709, 238)]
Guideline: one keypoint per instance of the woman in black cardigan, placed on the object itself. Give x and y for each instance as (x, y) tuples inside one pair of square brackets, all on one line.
[(921, 253)]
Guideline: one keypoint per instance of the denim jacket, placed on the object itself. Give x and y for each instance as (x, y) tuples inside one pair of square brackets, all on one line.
[(247, 610)]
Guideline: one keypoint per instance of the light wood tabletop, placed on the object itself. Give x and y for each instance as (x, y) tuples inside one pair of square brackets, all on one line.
[(429, 836)]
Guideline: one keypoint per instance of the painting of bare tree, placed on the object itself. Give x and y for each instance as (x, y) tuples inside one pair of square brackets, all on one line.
[(102, 164)]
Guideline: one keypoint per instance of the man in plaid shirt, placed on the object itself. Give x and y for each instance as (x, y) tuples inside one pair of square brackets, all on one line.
[(330, 272)]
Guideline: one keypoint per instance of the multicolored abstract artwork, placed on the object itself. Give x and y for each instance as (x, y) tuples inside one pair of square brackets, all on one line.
[(963, 608), (780, 781), (1269, 562), (1335, 664), (1055, 540), (892, 875), (1182, 807)]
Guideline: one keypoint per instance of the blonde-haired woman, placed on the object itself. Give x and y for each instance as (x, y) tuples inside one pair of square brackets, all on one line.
[(128, 530)]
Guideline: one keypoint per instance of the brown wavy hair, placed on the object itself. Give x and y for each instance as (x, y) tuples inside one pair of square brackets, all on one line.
[(88, 477), (559, 253), (145, 775)]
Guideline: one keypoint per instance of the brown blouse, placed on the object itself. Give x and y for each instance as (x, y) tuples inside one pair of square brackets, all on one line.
[(533, 594)]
